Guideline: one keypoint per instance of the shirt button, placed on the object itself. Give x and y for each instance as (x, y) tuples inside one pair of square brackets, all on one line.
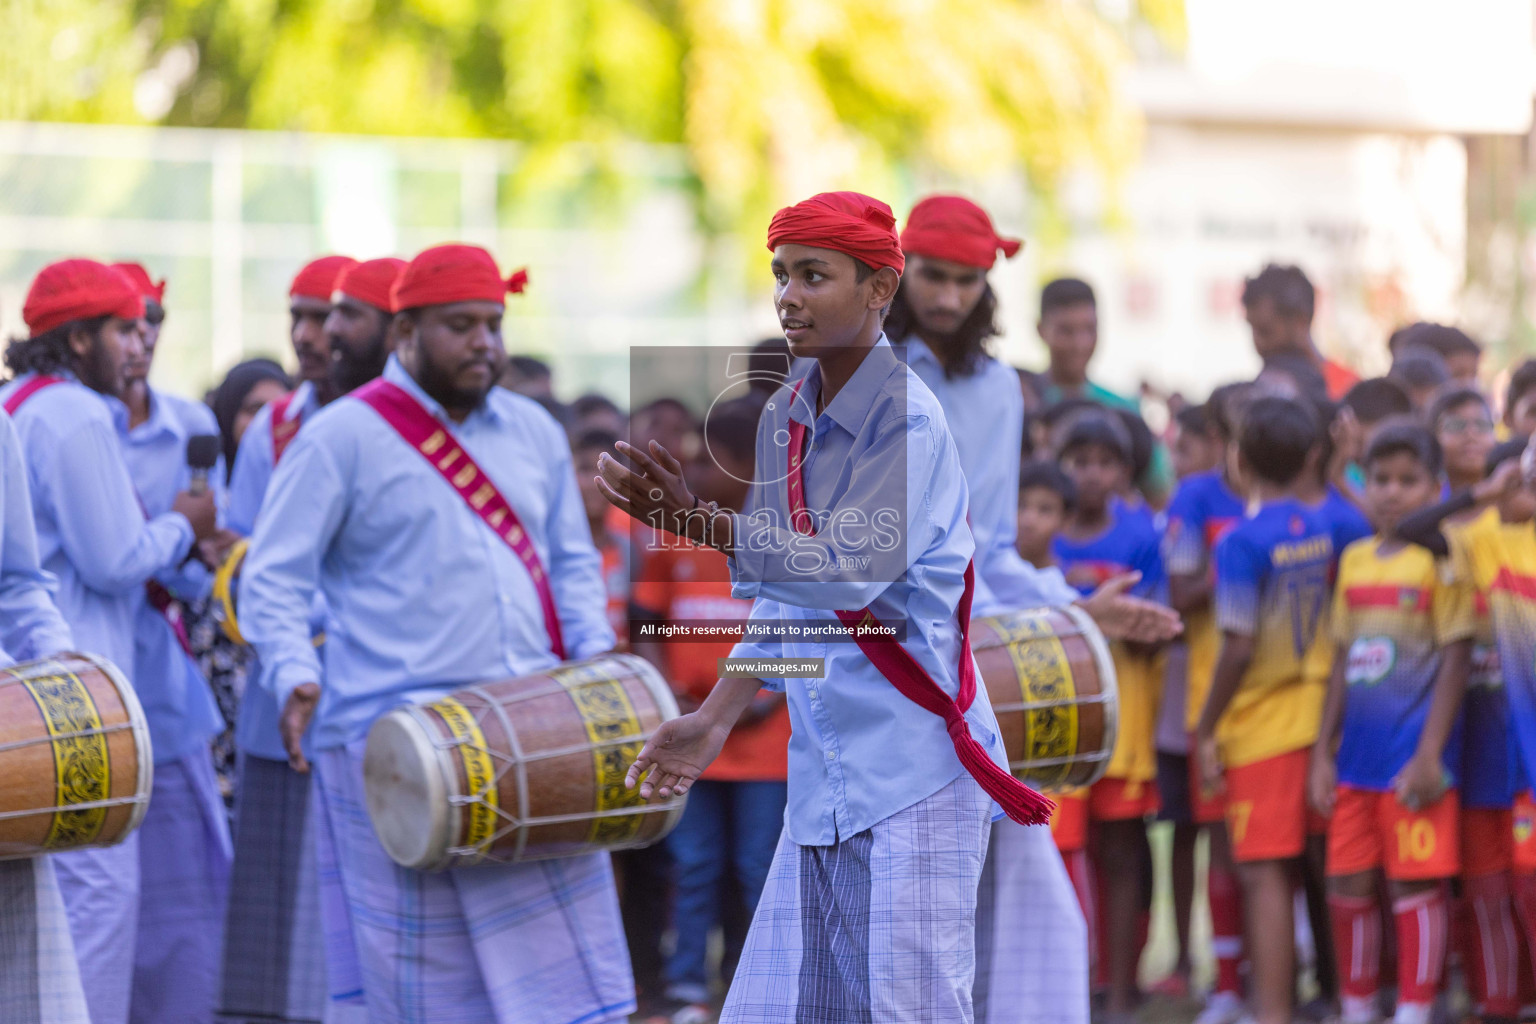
[(831, 755), (811, 693)]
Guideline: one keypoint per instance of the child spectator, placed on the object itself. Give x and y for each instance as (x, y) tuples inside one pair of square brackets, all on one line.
[(611, 540), (735, 810), (1520, 400), (1099, 541), (1381, 767), (1421, 372), (1204, 508), (1261, 716), (1462, 423), (1197, 445)]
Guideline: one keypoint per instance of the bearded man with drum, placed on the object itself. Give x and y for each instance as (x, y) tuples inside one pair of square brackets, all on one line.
[(1031, 940), (424, 595), (94, 536)]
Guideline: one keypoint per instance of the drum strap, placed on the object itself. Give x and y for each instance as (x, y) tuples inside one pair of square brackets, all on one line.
[(159, 598), (425, 434), (897, 665), (283, 429)]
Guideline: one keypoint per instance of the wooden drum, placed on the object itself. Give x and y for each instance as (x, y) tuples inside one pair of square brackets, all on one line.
[(521, 769), (75, 759), (1052, 685)]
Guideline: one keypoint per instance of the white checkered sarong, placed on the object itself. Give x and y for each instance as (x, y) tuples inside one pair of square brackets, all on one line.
[(1031, 941), (880, 927), (39, 981), (100, 887), (536, 943)]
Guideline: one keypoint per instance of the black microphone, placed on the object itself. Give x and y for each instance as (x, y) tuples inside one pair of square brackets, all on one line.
[(202, 455)]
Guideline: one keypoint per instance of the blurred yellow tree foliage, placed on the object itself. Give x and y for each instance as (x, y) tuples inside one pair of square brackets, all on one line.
[(770, 99)]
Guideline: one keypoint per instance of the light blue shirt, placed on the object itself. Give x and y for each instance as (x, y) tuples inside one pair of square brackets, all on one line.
[(30, 625), (178, 704), (985, 412), (883, 478), (256, 730), (91, 533), (421, 596)]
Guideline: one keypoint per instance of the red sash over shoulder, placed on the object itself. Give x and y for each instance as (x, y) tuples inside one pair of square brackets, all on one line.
[(159, 598), (425, 434), (897, 665), (283, 429)]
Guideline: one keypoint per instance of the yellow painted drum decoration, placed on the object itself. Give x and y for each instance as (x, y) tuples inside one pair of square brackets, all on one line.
[(521, 769), (1052, 684), (75, 759)]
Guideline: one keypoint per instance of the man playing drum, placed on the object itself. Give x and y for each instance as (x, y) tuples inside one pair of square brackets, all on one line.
[(424, 594), (273, 963), (895, 760), (1032, 959), (39, 980), (95, 537)]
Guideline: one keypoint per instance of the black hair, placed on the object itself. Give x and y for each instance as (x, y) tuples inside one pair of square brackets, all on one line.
[(1450, 399), (594, 437), (1504, 451), (556, 408), (1442, 339), (1224, 407), (1301, 369), (592, 402), (1286, 286), (1141, 442), (1275, 438), (1405, 439), (1099, 430), (732, 427), (226, 400), (528, 366), (1521, 383), (1057, 412), (768, 364), (49, 352), (1064, 292), (1193, 419), (1378, 398), (971, 338), (1047, 475), (655, 405), (1419, 367)]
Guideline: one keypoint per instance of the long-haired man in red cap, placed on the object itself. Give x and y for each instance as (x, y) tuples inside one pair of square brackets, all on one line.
[(858, 558), (101, 544), (274, 967), (439, 517), (943, 319), (184, 840)]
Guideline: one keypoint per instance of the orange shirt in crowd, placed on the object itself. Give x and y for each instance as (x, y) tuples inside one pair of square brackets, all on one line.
[(692, 585)]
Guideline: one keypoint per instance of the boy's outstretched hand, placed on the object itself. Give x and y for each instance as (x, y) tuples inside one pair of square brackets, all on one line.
[(1123, 617), (676, 754)]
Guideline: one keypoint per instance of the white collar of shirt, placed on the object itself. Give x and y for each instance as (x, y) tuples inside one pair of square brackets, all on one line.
[(157, 423), (303, 401), (396, 374), (850, 407)]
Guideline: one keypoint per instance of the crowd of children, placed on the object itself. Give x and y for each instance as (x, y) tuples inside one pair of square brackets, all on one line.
[(1355, 563)]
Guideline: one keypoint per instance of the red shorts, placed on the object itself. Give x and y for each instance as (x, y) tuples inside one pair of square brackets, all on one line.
[(1372, 830), (1069, 825), (1205, 807), (1267, 813), (1525, 833), (1121, 800), (1487, 841)]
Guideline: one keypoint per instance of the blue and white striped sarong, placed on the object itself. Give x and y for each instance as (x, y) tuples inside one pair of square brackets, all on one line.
[(880, 927), (1031, 940), (39, 980), (536, 943)]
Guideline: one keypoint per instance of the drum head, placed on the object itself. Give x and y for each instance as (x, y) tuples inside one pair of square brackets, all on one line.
[(407, 793)]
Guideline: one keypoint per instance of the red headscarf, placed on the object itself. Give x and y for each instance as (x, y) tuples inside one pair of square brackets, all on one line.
[(318, 278), (454, 273), (79, 290), (370, 281), (955, 229), (136, 273), (845, 222)]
